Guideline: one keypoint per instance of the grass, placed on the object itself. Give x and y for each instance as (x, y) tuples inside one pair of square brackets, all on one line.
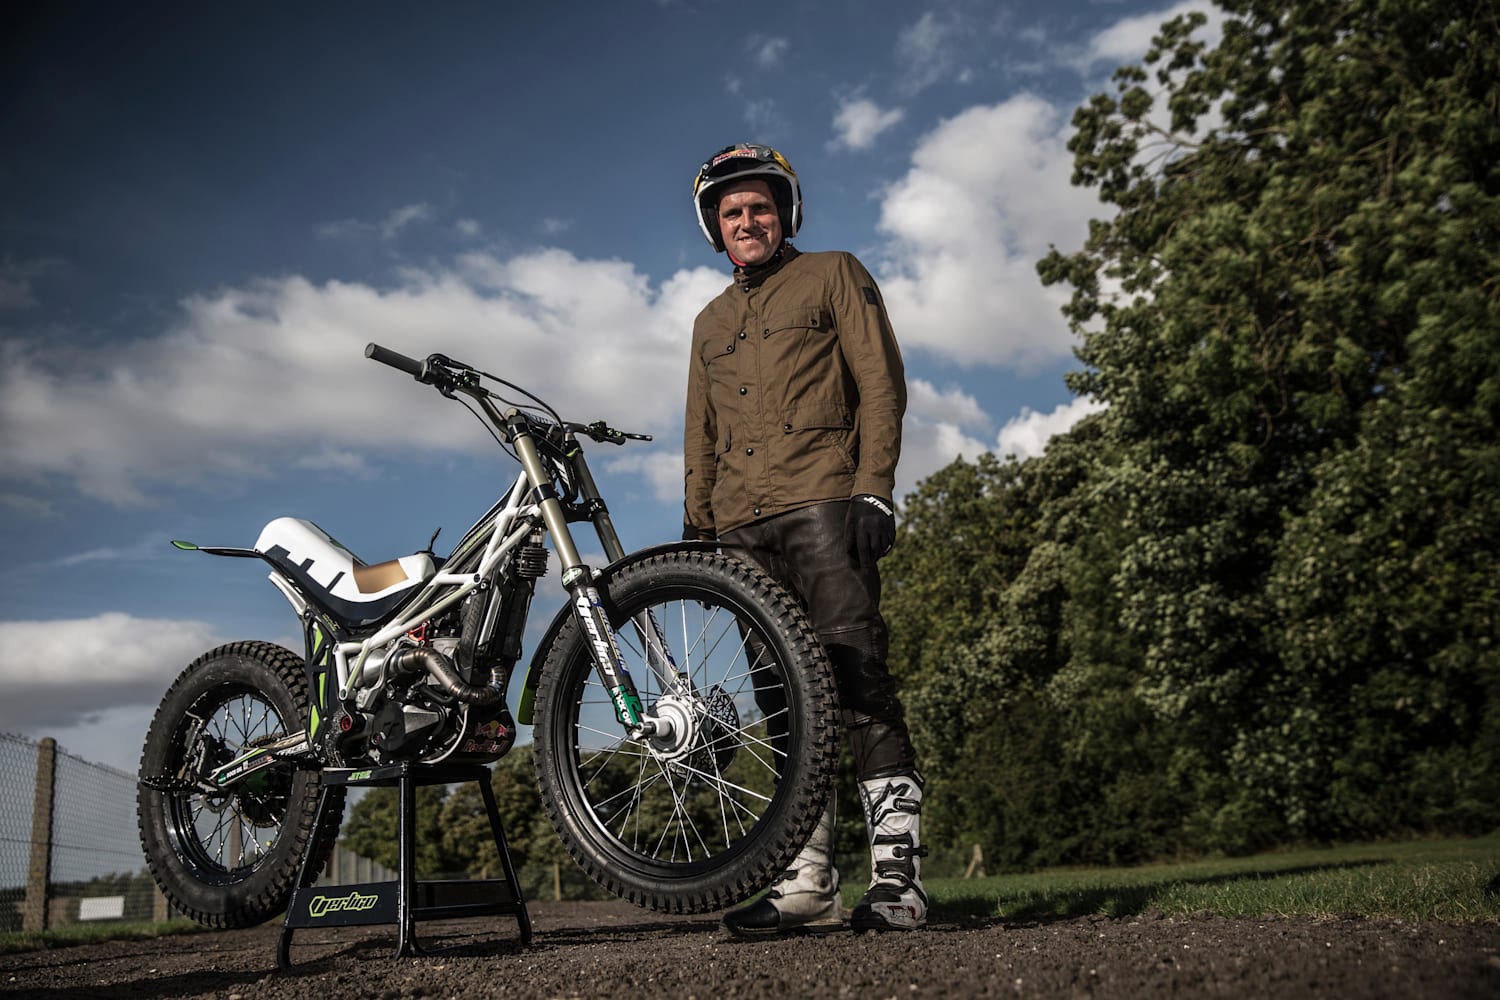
[(72, 934), (1449, 881)]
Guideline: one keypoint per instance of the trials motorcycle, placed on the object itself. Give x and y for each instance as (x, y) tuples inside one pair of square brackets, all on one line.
[(684, 715)]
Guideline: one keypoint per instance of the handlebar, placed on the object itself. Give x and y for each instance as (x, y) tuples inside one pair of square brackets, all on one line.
[(447, 375), (395, 359)]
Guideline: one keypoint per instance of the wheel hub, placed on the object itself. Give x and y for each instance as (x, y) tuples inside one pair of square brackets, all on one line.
[(700, 729)]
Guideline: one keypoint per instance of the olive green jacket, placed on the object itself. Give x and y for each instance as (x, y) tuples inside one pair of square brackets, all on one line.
[(796, 390)]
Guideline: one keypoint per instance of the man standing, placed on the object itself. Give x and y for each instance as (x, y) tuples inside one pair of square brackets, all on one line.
[(796, 391)]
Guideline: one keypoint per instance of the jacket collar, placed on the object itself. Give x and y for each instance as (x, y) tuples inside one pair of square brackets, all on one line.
[(751, 277)]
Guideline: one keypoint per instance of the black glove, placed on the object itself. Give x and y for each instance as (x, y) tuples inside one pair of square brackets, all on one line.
[(870, 529)]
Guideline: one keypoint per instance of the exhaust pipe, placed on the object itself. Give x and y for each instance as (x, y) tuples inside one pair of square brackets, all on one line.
[(410, 659)]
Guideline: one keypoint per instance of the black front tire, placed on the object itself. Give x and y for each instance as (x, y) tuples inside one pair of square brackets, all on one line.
[(711, 819), (230, 859)]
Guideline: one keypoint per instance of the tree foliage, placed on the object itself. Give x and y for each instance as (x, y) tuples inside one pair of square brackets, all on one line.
[(1253, 600), (453, 828)]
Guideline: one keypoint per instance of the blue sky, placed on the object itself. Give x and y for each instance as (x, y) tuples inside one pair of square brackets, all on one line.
[(206, 211)]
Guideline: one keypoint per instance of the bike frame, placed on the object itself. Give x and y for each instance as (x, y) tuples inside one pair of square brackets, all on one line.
[(531, 502), (534, 496), (502, 531)]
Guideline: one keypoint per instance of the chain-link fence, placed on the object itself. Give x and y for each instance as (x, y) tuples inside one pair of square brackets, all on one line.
[(69, 848), (18, 759)]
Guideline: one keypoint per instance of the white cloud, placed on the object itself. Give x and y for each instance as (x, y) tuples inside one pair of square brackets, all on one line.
[(60, 673), (1026, 435), (662, 471), (387, 228), (924, 51), (255, 377), (1126, 41), (146, 548), (762, 117), (767, 52), (934, 432), (342, 229), (402, 217), (987, 192), (859, 122), (952, 405)]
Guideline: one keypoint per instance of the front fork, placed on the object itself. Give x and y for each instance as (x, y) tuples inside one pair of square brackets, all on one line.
[(588, 607), (589, 610)]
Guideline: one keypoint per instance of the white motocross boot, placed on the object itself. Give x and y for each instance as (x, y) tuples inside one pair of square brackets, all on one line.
[(804, 898), (893, 816)]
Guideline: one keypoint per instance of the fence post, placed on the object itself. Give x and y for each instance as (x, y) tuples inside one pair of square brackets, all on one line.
[(39, 876)]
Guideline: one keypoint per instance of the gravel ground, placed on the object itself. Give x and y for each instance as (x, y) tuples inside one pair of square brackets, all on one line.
[(608, 949)]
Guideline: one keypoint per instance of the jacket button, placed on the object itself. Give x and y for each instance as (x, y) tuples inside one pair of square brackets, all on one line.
[(742, 334), (766, 332), (787, 428), (743, 390), (749, 451), (756, 512), (729, 349)]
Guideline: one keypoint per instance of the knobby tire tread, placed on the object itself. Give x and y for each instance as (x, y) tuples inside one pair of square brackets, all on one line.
[(276, 874), (758, 866)]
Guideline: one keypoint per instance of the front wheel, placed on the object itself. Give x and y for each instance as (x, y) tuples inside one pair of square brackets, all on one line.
[(229, 857), (709, 817)]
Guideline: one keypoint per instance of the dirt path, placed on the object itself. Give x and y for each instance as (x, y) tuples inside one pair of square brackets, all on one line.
[(613, 950)]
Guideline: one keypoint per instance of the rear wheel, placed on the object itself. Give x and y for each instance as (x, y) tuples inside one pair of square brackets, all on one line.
[(709, 817), (229, 857)]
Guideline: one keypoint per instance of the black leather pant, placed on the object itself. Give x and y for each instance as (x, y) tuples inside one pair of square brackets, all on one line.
[(805, 551)]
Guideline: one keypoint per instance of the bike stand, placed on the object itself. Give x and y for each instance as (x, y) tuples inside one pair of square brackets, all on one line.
[(406, 900)]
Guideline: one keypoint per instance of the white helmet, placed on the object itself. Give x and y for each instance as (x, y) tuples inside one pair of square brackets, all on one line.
[(746, 161)]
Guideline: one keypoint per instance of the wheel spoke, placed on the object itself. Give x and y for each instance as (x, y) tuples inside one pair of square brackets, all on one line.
[(681, 805), (228, 832), (705, 809)]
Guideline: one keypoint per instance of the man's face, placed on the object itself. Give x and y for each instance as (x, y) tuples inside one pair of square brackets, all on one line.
[(749, 222)]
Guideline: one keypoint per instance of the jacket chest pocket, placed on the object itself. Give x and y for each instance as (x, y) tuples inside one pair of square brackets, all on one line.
[(807, 320), (723, 362), (800, 355)]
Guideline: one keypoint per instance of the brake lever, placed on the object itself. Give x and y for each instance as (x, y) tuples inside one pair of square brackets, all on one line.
[(605, 434), (446, 375)]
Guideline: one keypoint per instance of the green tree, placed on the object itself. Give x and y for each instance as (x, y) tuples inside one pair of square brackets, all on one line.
[(963, 538), (1293, 319), (373, 829), (466, 833), (1035, 744)]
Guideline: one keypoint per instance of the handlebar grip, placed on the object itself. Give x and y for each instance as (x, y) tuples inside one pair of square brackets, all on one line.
[(395, 359)]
